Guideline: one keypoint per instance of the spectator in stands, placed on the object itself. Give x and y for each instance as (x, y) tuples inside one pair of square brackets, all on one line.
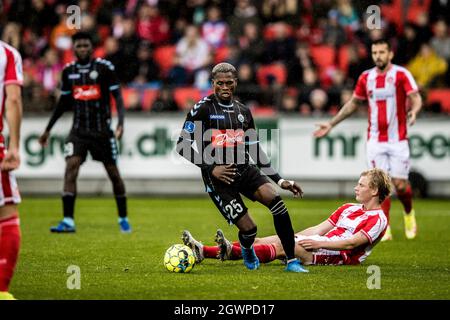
[(348, 17), (89, 25), (128, 44), (60, 37), (427, 67), (179, 29), (318, 100), (251, 43), (165, 101), (133, 101), (151, 26), (337, 85), (279, 10), (215, 30), (113, 54), (302, 61), (356, 64), (145, 70), (192, 52), (244, 12), (289, 101), (42, 16), (248, 91), (282, 47), (310, 82), (408, 45), (49, 70), (441, 40), (334, 33), (423, 25)]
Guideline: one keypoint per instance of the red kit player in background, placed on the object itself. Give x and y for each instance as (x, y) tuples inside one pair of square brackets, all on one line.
[(387, 88)]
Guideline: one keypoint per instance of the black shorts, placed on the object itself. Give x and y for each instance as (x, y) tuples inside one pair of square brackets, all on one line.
[(227, 198), (103, 148)]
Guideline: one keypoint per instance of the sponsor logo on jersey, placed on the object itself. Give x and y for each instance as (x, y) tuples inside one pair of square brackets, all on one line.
[(189, 127), (217, 116), (227, 138), (74, 76), (86, 92)]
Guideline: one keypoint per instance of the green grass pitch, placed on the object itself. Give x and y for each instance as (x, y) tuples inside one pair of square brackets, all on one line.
[(121, 266)]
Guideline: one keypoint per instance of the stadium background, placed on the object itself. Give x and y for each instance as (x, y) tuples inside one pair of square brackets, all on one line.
[(297, 61)]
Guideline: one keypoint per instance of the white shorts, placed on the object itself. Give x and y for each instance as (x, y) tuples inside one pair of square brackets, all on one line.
[(9, 191), (392, 157)]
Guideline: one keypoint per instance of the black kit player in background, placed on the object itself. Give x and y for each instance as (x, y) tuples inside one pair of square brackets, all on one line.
[(87, 84), (219, 136)]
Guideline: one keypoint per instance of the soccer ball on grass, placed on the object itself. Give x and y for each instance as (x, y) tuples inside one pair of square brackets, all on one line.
[(179, 258)]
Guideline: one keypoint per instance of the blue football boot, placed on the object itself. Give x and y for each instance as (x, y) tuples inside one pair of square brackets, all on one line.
[(65, 226), (295, 266), (124, 225), (251, 261)]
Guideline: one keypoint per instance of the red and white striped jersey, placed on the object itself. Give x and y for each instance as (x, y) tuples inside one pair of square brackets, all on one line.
[(352, 218), (10, 73), (386, 94)]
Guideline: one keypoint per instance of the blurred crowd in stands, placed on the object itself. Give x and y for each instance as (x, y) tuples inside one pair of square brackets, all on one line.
[(293, 56)]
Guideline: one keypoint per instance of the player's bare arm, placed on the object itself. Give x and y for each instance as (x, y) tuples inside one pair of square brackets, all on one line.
[(416, 104), (63, 103), (320, 229), (120, 113), (13, 106), (347, 244), (346, 111), (293, 187)]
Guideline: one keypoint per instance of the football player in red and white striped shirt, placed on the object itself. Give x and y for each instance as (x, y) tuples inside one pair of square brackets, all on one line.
[(11, 79), (388, 89), (347, 237)]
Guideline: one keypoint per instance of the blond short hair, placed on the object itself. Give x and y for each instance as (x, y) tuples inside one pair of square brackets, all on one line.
[(379, 179)]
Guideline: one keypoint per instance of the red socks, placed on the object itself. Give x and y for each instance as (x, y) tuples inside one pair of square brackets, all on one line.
[(386, 206), (405, 198), (9, 249), (264, 252)]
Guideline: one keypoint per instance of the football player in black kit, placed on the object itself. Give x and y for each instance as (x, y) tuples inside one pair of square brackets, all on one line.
[(86, 87), (219, 136)]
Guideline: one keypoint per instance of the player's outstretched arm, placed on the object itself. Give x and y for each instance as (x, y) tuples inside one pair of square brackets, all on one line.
[(346, 111), (320, 229), (13, 107), (355, 241)]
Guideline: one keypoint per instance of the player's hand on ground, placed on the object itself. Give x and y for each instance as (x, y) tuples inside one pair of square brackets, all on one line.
[(293, 187), (412, 118), (11, 161), (309, 244), (323, 129), (119, 132), (43, 139), (225, 173)]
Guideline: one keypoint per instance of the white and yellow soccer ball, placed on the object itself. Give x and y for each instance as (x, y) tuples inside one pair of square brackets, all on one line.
[(179, 258)]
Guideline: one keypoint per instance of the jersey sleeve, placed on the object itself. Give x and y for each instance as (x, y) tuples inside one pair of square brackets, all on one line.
[(113, 80), (190, 141), (66, 88), (373, 227), (407, 82), (13, 70), (333, 219), (360, 91)]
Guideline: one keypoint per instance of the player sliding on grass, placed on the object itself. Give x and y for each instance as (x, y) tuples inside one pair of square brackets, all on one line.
[(219, 136), (346, 237)]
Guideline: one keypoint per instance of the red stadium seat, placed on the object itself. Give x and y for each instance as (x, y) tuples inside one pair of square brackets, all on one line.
[(221, 54), (148, 97), (129, 95), (441, 96), (270, 30), (276, 71), (323, 56), (263, 111), (186, 97), (164, 56)]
